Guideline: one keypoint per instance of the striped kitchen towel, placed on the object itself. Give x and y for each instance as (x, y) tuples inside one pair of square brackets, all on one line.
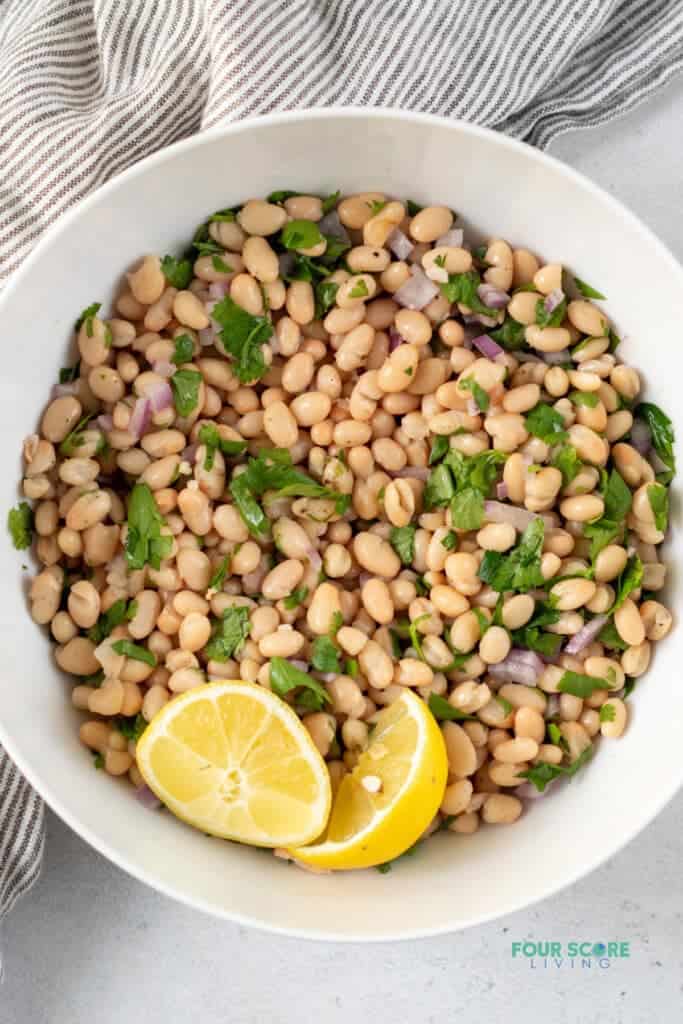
[(87, 87)]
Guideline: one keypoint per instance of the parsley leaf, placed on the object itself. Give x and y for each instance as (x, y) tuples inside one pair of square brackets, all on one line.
[(609, 637), (325, 656), (296, 598), (114, 616), (87, 317), (543, 773), (463, 288), (242, 336), (402, 539), (68, 374), (629, 580), (74, 439), (285, 677), (220, 266), (521, 568), (20, 525), (439, 488), (477, 392), (208, 436), (134, 651), (218, 579), (587, 398), (662, 432), (184, 349), (376, 206), (445, 712), (359, 290), (467, 509), (281, 195), (566, 459), (325, 295), (330, 202), (533, 638), (587, 290), (608, 713), (185, 385), (450, 541), (580, 685), (554, 319), (617, 499), (178, 273), (412, 207), (145, 544), (440, 447), (228, 634), (658, 496), (545, 422), (510, 335), (132, 727), (248, 507), (301, 234)]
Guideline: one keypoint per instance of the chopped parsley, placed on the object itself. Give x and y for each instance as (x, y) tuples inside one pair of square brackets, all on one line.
[(450, 541), (543, 773), (228, 634), (587, 290), (285, 677), (329, 202), (445, 712), (296, 598), (132, 727), (68, 374), (520, 569), (462, 288), (510, 335), (87, 317), (325, 296), (20, 525), (554, 319), (402, 539), (580, 685), (185, 385), (566, 459), (463, 482), (134, 651), (178, 273), (76, 437), (610, 526), (477, 392), (145, 544), (359, 290), (184, 349), (243, 336), (658, 496), (608, 713), (115, 615), (587, 398), (376, 206), (662, 433), (440, 447), (545, 422), (629, 580), (325, 657), (208, 436), (220, 266), (218, 579), (301, 234)]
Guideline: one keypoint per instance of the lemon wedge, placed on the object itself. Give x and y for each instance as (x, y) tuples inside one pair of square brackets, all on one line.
[(384, 805), (234, 760)]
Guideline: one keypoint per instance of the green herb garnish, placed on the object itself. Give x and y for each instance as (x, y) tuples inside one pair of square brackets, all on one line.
[(134, 651), (145, 544), (402, 539), (285, 677), (20, 525), (520, 569), (545, 422), (185, 385), (178, 273), (228, 634), (243, 336)]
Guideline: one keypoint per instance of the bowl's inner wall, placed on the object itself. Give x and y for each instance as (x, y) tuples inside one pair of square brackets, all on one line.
[(500, 188)]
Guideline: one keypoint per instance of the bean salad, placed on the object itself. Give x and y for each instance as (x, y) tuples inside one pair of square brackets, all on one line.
[(335, 450)]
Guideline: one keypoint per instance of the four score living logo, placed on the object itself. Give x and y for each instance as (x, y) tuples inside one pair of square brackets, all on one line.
[(573, 955)]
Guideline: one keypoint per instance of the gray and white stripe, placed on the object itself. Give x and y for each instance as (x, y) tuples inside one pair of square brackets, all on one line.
[(88, 87)]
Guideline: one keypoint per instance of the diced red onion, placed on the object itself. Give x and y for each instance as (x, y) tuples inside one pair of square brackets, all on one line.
[(494, 298), (395, 339), (454, 238), (487, 346), (301, 665), (502, 490), (586, 635), (61, 390), (472, 407), (496, 512), (553, 299), (479, 318), (556, 358), (527, 791), (331, 225), (418, 291), (328, 677), (287, 261), (641, 438), (141, 417), (164, 368), (313, 556), (207, 336), (190, 454), (219, 289), (519, 667), (416, 472), (105, 422), (160, 396), (400, 244), (147, 798)]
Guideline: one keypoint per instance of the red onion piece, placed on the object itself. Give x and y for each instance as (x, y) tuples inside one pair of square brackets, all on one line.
[(556, 358), (487, 346), (418, 291), (141, 417), (105, 422), (313, 556), (527, 791), (160, 396), (496, 512), (331, 225), (287, 261), (164, 368), (147, 798), (553, 299), (641, 439), (328, 677), (303, 666), (492, 297), (586, 635), (395, 339), (61, 390), (219, 289), (502, 490), (472, 407), (479, 318), (400, 244), (207, 336), (454, 237), (190, 454), (512, 670)]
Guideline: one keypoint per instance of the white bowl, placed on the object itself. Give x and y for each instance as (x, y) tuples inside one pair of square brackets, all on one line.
[(500, 187)]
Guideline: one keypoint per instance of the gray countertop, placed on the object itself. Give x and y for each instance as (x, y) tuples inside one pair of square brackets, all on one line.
[(89, 944)]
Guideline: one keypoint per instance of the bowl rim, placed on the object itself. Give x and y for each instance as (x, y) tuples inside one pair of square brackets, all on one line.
[(42, 786)]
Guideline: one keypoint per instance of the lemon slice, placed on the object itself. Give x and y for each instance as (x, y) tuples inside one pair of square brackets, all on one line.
[(234, 760), (384, 805)]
